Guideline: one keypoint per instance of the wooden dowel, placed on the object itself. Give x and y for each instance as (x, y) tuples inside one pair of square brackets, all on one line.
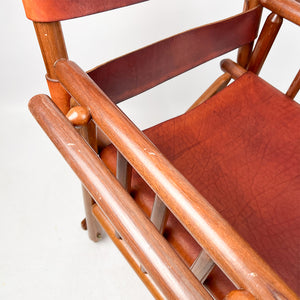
[(219, 84), (288, 9), (230, 252), (159, 214), (264, 42), (234, 69), (202, 266), (167, 270), (294, 87)]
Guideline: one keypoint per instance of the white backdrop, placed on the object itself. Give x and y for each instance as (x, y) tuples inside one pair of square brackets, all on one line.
[(43, 252)]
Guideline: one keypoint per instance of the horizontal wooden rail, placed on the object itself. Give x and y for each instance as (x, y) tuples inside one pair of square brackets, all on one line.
[(232, 254), (288, 9), (168, 271)]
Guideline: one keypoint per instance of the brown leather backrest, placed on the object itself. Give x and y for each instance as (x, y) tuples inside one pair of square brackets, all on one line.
[(58, 10), (136, 72)]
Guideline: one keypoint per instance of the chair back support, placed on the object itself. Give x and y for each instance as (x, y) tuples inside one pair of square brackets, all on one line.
[(136, 72), (58, 10)]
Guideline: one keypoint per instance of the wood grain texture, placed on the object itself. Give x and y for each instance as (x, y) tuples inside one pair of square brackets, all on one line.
[(52, 45), (58, 10), (219, 240), (167, 270), (127, 253), (239, 295), (244, 52), (232, 68), (264, 42), (288, 9), (145, 68), (80, 118), (78, 115)]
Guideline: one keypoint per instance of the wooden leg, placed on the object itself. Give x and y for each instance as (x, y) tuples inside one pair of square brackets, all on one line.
[(93, 227), (80, 117)]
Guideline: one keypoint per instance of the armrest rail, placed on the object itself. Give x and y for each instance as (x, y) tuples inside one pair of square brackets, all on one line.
[(229, 251), (288, 9), (167, 270)]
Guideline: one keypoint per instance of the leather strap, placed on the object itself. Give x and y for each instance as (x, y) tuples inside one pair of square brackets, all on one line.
[(145, 68), (58, 10)]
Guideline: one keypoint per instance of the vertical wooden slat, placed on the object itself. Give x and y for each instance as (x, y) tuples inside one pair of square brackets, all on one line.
[(159, 214), (202, 266), (124, 171)]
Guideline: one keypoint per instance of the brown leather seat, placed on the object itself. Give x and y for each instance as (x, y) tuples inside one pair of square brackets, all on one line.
[(241, 150)]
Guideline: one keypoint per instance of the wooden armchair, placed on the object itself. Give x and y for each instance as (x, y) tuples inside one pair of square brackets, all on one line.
[(205, 205)]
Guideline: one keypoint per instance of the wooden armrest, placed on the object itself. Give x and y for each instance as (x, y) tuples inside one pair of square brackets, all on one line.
[(229, 251), (167, 270), (288, 9)]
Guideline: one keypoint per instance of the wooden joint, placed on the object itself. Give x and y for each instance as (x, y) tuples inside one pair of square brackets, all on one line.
[(79, 115), (234, 69)]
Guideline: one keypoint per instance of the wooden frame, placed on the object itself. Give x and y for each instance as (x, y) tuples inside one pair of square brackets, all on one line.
[(108, 201)]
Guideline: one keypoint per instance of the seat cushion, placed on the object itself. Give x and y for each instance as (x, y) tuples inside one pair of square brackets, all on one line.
[(241, 150)]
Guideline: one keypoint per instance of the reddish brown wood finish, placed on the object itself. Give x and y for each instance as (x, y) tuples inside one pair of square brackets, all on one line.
[(127, 253), (239, 295), (244, 52), (143, 69), (288, 9), (78, 115), (52, 44), (264, 42), (124, 171), (295, 86), (234, 69), (220, 241), (58, 10), (167, 270)]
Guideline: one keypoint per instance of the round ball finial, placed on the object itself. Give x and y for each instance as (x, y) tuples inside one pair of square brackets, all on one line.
[(78, 115)]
